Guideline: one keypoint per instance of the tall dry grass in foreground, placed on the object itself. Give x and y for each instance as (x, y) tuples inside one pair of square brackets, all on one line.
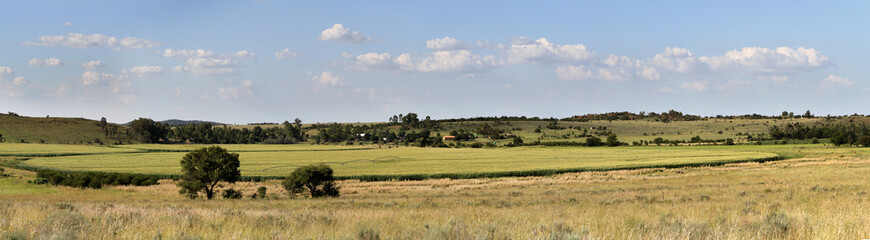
[(819, 198)]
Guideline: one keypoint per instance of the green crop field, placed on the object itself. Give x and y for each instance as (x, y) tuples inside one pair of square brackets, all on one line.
[(31, 149), (280, 160)]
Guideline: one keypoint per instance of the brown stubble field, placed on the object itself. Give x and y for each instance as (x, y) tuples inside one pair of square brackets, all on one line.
[(822, 196)]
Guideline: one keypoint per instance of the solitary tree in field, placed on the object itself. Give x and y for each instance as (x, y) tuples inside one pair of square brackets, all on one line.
[(204, 168), (612, 141), (317, 179)]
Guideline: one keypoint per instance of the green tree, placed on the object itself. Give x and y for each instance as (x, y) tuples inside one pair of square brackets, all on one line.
[(864, 141), (612, 141), (204, 168), (317, 179), (147, 131), (518, 141), (103, 123), (594, 142)]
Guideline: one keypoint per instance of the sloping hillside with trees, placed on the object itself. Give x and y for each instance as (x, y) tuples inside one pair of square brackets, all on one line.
[(16, 128)]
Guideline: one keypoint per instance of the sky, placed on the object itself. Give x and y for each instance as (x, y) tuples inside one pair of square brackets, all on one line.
[(364, 61)]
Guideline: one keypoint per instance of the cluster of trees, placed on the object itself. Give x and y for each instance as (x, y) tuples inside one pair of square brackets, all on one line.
[(840, 134), (205, 168), (696, 139), (411, 120), (671, 115), (206, 133), (611, 141), (94, 180), (148, 131)]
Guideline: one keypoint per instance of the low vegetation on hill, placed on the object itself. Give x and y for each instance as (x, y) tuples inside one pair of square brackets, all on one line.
[(21, 129)]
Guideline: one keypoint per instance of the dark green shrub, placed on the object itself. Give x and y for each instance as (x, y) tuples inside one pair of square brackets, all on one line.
[(261, 192), (94, 180), (231, 193)]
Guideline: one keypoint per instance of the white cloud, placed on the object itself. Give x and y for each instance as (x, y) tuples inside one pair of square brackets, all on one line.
[(579, 72), (67, 24), (613, 68), (145, 71), (138, 43), (328, 79), (18, 81), (678, 60), (184, 53), (9, 84), (373, 60), (78, 40), (339, 33), (93, 78), (48, 62), (697, 86), (116, 83), (448, 43), (834, 80), (244, 54), (202, 62), (460, 61), (286, 54), (543, 51), (93, 65), (768, 61), (243, 90)]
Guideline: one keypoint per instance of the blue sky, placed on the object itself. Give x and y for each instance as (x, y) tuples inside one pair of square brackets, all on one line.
[(365, 61)]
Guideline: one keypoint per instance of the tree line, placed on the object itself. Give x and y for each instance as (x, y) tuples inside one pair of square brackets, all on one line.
[(840, 134), (148, 131)]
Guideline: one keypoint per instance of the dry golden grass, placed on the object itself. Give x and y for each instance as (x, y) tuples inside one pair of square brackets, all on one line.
[(818, 197)]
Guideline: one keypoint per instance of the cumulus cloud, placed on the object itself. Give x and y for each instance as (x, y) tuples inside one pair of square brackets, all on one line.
[(543, 51), (6, 73), (242, 90), (834, 80), (144, 71), (9, 84), (286, 54), (373, 60), (78, 40), (460, 61), (203, 62), (93, 65), (678, 60), (613, 68), (338, 33), (768, 61), (328, 79), (448, 43), (67, 24), (48, 62), (244, 54)]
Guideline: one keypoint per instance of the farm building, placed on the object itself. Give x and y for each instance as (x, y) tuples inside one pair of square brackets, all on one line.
[(445, 138)]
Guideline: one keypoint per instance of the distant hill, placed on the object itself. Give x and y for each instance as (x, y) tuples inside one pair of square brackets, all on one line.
[(178, 122), (18, 129)]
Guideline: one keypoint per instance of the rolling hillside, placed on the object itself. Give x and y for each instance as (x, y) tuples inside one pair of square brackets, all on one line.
[(58, 130)]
